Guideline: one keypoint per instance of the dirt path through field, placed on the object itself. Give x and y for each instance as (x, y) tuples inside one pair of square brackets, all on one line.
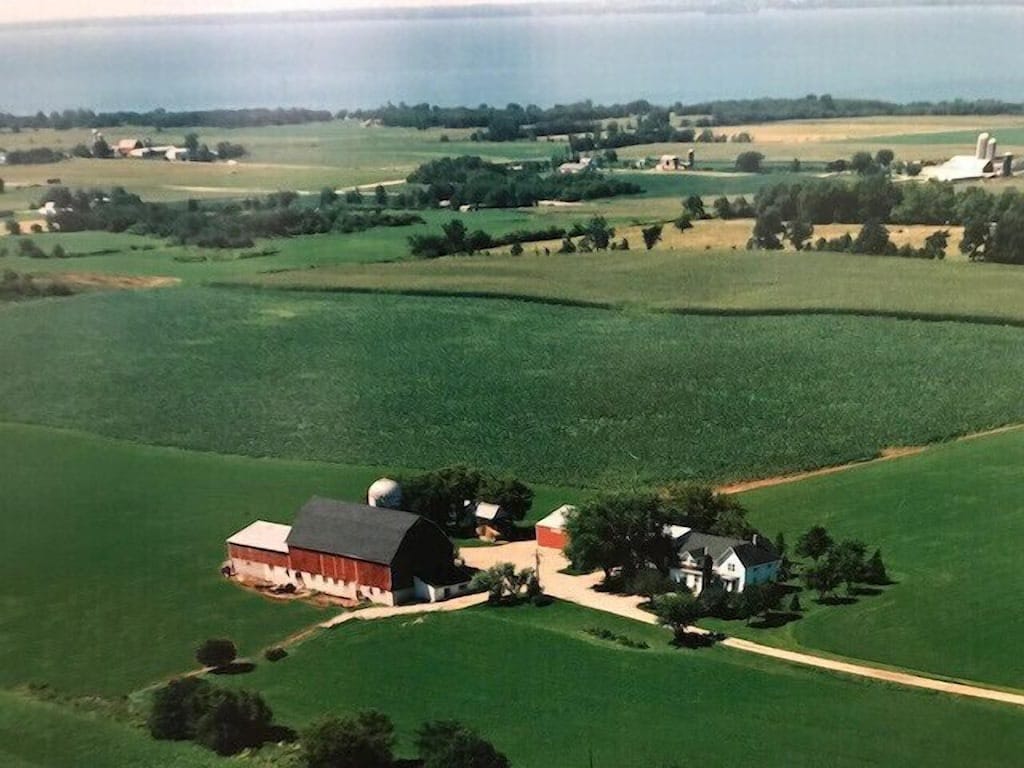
[(887, 454)]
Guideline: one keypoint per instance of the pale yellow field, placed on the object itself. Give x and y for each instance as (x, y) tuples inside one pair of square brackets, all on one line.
[(718, 235)]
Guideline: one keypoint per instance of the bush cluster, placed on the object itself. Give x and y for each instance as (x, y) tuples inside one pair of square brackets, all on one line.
[(223, 720), (606, 634)]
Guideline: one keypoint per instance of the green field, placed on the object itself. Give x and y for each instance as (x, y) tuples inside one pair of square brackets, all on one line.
[(716, 280), (547, 695), (35, 734), (300, 157), (133, 537), (946, 521), (613, 397)]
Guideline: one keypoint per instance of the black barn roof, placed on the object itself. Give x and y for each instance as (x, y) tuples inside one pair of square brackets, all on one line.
[(374, 534)]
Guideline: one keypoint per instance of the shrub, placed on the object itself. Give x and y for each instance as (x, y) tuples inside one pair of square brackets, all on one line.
[(749, 162), (174, 710), (541, 600), (449, 744), (12, 227), (651, 235), (275, 654), (216, 652), (363, 741)]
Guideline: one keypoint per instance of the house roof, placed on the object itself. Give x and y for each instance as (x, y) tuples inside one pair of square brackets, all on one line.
[(556, 520), (718, 547), (487, 511), (374, 534), (271, 537), (751, 554)]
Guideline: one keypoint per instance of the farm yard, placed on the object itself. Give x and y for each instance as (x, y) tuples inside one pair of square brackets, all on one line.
[(139, 428)]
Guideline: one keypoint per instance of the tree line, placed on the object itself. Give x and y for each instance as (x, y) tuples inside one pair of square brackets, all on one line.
[(161, 118), (470, 180), (993, 223), (827, 107), (517, 121), (213, 224)]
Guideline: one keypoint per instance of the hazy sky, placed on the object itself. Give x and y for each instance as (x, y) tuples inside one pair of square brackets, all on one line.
[(67, 9)]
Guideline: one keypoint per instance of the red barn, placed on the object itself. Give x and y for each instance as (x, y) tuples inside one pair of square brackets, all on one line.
[(551, 530), (352, 551)]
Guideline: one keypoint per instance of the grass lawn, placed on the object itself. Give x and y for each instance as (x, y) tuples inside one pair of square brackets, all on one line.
[(36, 734), (666, 279), (546, 694), (613, 397), (136, 536), (947, 522)]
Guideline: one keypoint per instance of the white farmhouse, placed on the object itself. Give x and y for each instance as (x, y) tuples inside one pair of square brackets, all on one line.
[(734, 562)]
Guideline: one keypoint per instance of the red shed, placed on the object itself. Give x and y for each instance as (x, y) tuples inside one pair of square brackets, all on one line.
[(551, 530)]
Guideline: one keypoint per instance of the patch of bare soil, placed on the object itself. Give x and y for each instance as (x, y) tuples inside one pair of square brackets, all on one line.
[(94, 280)]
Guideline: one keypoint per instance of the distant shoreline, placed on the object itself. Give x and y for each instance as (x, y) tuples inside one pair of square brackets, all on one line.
[(529, 8)]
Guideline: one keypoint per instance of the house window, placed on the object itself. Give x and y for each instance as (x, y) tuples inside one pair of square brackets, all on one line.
[(731, 568)]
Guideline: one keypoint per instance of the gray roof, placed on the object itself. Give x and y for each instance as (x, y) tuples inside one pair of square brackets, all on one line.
[(697, 543), (366, 533), (755, 554)]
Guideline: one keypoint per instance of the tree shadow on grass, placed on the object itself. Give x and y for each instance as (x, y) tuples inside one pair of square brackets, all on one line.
[(235, 668), (277, 734), (866, 591), (776, 619), (836, 600)]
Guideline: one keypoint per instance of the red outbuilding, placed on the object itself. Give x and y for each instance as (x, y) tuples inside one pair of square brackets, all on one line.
[(551, 530)]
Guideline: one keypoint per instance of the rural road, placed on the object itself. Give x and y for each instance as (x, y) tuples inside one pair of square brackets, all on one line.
[(580, 589)]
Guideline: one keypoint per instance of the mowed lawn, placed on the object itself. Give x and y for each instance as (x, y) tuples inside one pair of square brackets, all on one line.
[(548, 695), (558, 395), (704, 280), (113, 553), (36, 734), (949, 522)]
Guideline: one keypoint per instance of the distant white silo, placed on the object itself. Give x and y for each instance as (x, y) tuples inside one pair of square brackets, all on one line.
[(990, 152), (385, 493), (982, 147)]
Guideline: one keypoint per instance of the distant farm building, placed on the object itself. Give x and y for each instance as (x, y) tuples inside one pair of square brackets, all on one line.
[(675, 163), (984, 163), (584, 164), (351, 551), (126, 146), (551, 530)]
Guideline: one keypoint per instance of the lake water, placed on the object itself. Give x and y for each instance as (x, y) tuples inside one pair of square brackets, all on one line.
[(933, 53)]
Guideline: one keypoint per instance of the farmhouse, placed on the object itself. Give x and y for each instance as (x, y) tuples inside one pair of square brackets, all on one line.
[(352, 551), (584, 164), (734, 562), (551, 530), (675, 163)]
